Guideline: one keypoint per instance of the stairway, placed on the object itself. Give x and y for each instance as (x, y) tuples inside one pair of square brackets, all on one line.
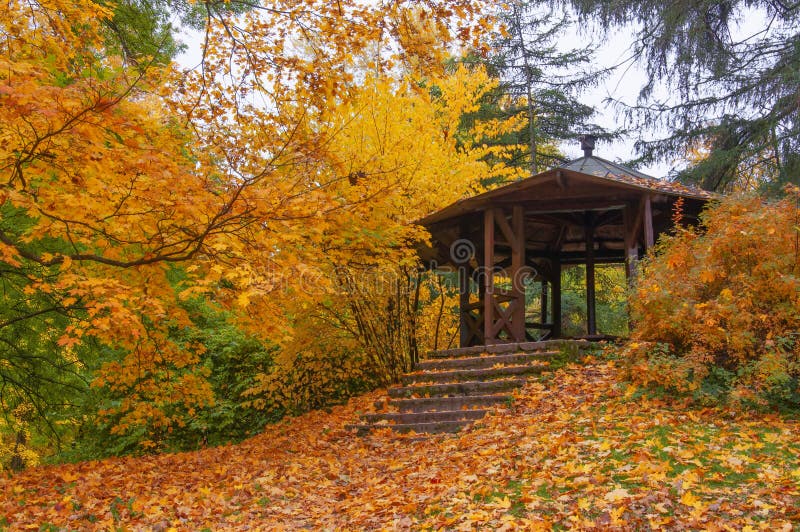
[(453, 388)]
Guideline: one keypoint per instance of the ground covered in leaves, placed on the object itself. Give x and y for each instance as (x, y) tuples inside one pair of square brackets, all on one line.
[(578, 449)]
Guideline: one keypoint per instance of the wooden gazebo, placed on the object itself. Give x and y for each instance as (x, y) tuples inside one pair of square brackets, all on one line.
[(589, 211)]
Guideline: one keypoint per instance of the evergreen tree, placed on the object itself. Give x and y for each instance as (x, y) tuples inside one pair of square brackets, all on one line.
[(147, 29), (736, 96), (543, 81)]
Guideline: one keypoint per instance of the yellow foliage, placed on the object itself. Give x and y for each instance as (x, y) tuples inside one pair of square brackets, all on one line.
[(264, 173)]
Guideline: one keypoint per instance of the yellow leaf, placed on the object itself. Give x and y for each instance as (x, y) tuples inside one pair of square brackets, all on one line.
[(689, 499), (616, 514), (505, 503), (617, 494)]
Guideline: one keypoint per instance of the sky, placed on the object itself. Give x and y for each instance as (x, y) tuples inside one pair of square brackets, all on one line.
[(625, 82), (622, 85)]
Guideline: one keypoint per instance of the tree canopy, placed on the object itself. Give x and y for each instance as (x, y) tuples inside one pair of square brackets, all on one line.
[(544, 82), (731, 68), (130, 186)]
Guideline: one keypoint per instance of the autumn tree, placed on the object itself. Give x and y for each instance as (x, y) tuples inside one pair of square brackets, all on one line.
[(393, 145), (87, 231), (715, 310), (115, 173)]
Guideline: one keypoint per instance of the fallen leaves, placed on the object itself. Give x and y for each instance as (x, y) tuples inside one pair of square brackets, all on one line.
[(574, 451)]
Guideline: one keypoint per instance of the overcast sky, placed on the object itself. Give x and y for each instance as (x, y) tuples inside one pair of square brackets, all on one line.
[(627, 80), (622, 85)]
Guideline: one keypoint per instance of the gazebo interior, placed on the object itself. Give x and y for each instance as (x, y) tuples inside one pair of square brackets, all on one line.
[(587, 212)]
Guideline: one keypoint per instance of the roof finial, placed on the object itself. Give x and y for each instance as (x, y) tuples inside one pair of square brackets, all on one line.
[(587, 144)]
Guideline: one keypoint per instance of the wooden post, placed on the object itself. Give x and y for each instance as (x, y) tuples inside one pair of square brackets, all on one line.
[(591, 319), (649, 239), (463, 306), (631, 243), (517, 271), (544, 302), (488, 276), (556, 282)]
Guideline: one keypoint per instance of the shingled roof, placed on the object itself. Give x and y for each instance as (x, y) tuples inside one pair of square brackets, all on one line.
[(589, 168), (600, 167)]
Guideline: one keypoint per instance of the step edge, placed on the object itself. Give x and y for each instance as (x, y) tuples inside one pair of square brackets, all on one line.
[(467, 370), (461, 383), (475, 411), (505, 348), (489, 357)]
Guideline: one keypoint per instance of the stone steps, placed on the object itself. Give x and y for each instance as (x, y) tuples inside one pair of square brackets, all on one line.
[(481, 361), (498, 349), (421, 428), (456, 388), (425, 416), (448, 403), (470, 375), (453, 388)]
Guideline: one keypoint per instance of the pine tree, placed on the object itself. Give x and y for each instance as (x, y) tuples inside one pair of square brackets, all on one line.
[(543, 81), (736, 96)]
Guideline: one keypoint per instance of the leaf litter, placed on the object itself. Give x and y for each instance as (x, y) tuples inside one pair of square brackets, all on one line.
[(580, 449)]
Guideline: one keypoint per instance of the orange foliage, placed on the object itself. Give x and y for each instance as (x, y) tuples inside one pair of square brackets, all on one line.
[(718, 306), (266, 164), (581, 451)]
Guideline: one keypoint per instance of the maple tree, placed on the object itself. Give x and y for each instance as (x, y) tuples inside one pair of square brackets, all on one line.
[(715, 309), (393, 146), (131, 186)]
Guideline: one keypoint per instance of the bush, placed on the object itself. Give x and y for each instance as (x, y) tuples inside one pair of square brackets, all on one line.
[(230, 362), (716, 310)]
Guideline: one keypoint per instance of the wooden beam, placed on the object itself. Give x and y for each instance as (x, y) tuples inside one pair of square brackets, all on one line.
[(631, 244), (609, 216), (552, 219), (503, 321), (465, 318), (539, 205), (559, 241), (544, 302), (575, 193), (591, 319), (517, 273), (464, 307), (597, 240), (579, 257), (488, 276)]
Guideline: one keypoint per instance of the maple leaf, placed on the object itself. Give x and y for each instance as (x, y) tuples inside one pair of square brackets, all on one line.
[(617, 494), (689, 499)]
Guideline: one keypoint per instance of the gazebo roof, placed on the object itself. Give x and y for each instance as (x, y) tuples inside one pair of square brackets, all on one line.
[(587, 212), (599, 167), (589, 170)]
